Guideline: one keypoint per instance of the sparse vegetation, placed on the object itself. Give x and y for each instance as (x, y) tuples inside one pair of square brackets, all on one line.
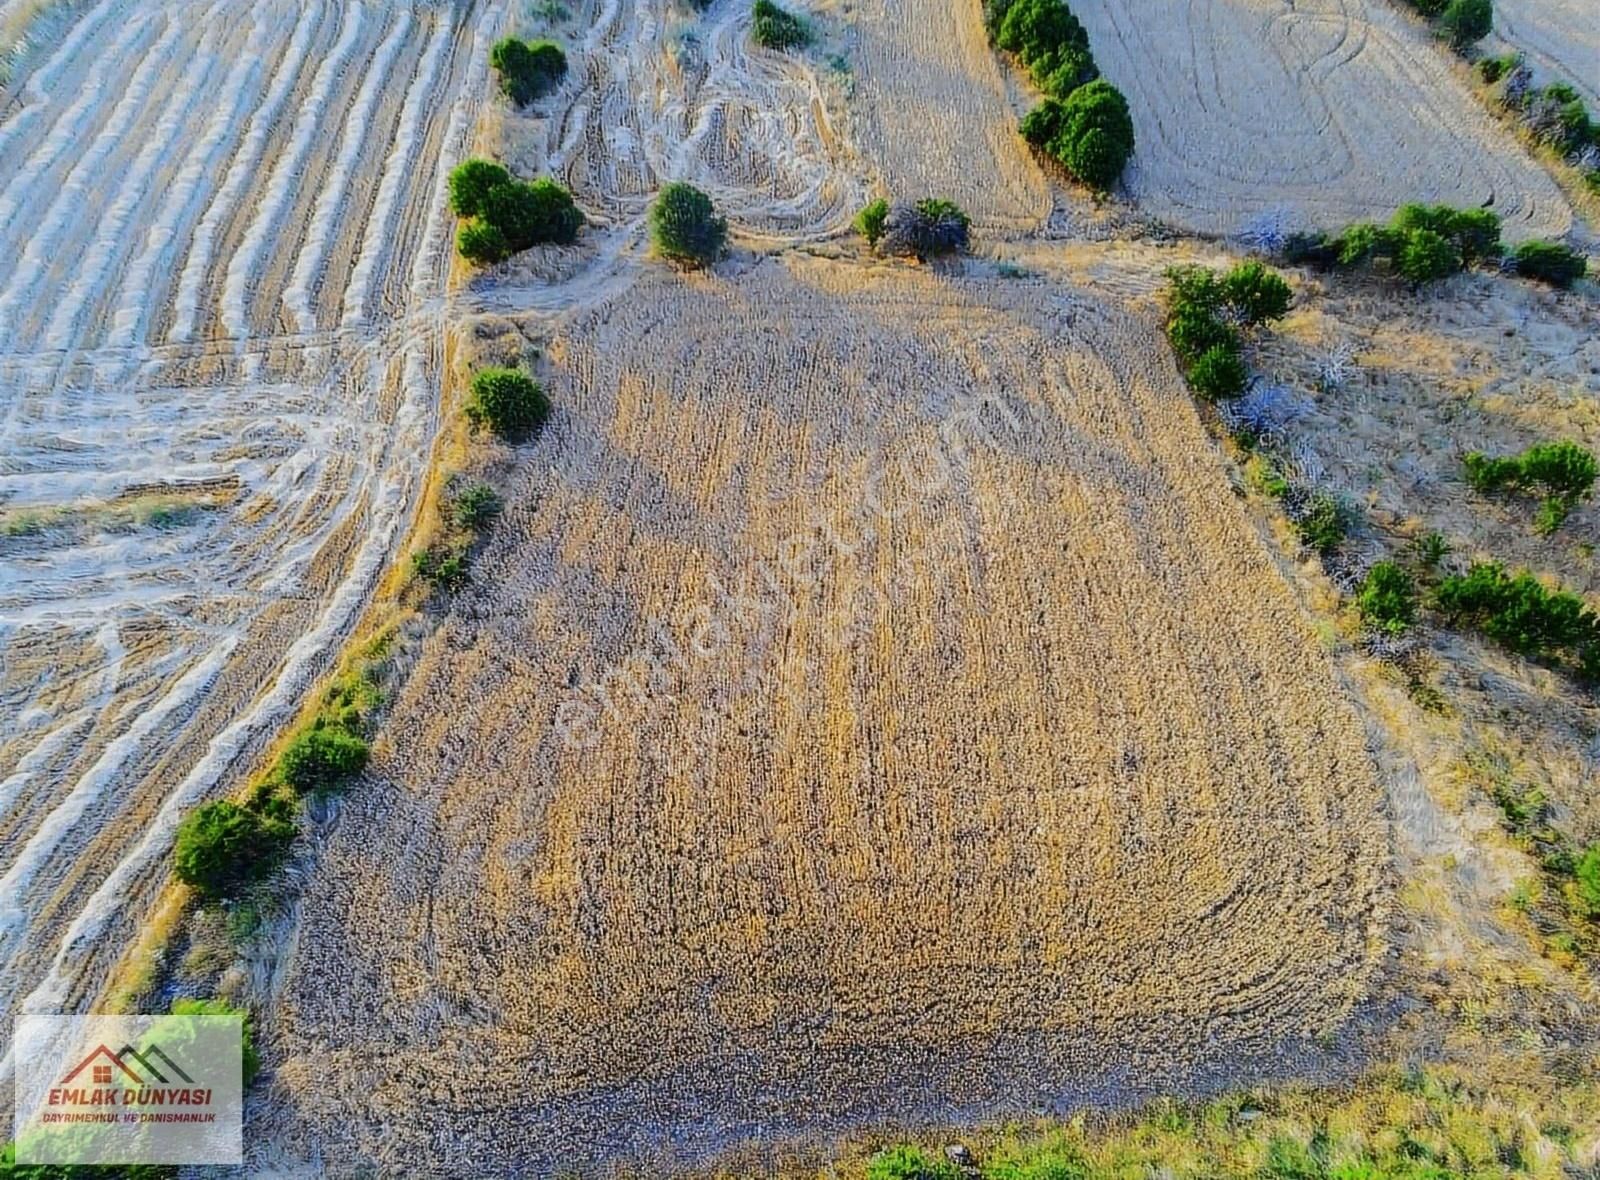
[(507, 402), (1202, 307), (1421, 243), (475, 507), (1563, 473), (527, 70), (1522, 615), (1321, 523), (1387, 600), (684, 226), (322, 758), (772, 27)]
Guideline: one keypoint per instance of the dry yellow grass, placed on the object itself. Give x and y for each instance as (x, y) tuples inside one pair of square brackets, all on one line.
[(975, 791)]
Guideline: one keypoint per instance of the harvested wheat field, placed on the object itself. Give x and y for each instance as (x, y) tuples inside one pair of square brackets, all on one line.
[(1330, 111), (220, 334), (1561, 39), (873, 706)]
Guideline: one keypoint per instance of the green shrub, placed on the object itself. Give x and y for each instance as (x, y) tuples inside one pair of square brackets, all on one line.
[(1363, 242), (1194, 289), (1466, 21), (322, 758), (909, 1163), (684, 227), (1096, 134), (1218, 373), (1475, 233), (470, 182), (527, 71), (1311, 249), (1492, 69), (1322, 523), (444, 569), (1586, 884), (1256, 293), (1037, 31), (1387, 600), (508, 402), (198, 1007), (481, 243), (774, 28), (476, 507), (1426, 256), (221, 846), (1562, 472), (532, 213), (1517, 612), (1549, 262), (1050, 1164), (1194, 333), (1070, 68), (869, 222)]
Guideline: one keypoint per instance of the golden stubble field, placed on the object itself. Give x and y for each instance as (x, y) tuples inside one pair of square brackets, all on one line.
[(874, 705)]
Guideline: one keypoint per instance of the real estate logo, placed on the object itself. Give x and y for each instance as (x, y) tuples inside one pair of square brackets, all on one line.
[(169, 1093)]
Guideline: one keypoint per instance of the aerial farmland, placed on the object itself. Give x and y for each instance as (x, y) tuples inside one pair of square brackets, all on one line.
[(901, 589)]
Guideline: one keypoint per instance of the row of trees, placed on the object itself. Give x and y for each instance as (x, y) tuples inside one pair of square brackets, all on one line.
[(1425, 243), (1083, 122)]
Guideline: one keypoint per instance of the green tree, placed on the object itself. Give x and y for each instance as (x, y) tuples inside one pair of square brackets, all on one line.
[(1090, 132), (470, 182), (776, 28), (1549, 262), (527, 70), (532, 213), (1388, 598), (322, 758), (1218, 373), (221, 846), (869, 222), (1466, 21), (1427, 256), (481, 243), (1256, 293), (508, 402), (684, 226)]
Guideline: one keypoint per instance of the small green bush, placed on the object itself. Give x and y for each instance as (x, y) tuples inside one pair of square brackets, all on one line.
[(1466, 21), (684, 226), (869, 222), (1218, 373), (221, 847), (1194, 333), (527, 70), (476, 507), (1475, 233), (775, 28), (532, 213), (470, 182), (1517, 612), (1322, 523), (909, 1163), (1096, 134), (1562, 472), (508, 402), (1387, 600), (1256, 293), (1037, 31), (481, 243), (1194, 289), (1426, 256), (322, 758), (1492, 69), (1549, 262), (1586, 883), (443, 569)]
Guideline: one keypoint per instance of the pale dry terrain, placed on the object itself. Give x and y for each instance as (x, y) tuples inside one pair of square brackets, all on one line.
[(964, 752), (1561, 39), (1329, 110), (220, 333)]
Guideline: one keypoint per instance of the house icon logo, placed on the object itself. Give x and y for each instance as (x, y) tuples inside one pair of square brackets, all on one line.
[(129, 1066)]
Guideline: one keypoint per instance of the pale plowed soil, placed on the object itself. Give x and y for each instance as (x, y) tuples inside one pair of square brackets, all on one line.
[(220, 340), (1329, 110), (1561, 39), (954, 788)]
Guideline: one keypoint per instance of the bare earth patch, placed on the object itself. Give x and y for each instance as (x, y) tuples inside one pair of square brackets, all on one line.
[(994, 790), (1332, 110)]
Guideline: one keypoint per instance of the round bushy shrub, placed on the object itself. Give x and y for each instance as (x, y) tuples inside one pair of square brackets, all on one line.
[(532, 213), (322, 758), (526, 70), (470, 182), (684, 226), (1070, 68), (927, 228), (508, 402), (1037, 30), (1218, 374), (1256, 293), (1388, 598), (1426, 256), (1090, 132), (1466, 21), (1194, 331), (1549, 262), (476, 507), (221, 846), (481, 243)]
